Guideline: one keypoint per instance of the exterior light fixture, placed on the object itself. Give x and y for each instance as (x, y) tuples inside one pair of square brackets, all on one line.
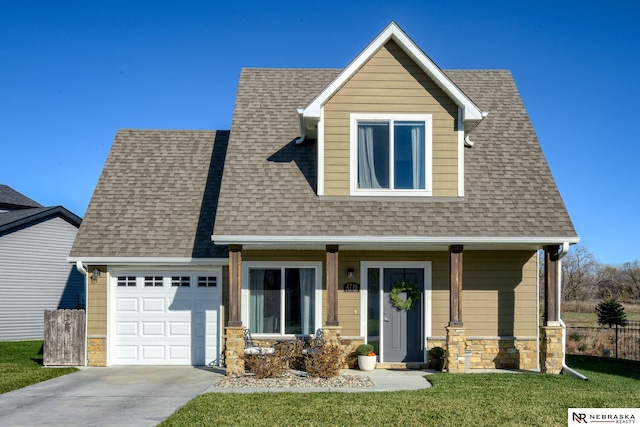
[(96, 273), (351, 273)]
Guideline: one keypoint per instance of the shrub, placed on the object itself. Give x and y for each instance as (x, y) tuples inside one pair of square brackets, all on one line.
[(575, 336), (266, 365), (437, 353), (327, 363), (365, 350), (292, 352)]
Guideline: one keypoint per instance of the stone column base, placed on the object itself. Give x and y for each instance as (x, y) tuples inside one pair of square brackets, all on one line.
[(456, 344), (551, 349), (96, 351), (234, 350)]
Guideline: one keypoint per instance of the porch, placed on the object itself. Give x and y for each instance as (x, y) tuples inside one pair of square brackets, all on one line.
[(350, 324)]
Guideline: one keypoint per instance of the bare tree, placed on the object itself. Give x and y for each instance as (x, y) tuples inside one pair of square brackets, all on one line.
[(579, 268), (631, 278)]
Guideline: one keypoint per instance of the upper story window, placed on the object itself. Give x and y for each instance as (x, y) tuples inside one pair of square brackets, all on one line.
[(391, 154)]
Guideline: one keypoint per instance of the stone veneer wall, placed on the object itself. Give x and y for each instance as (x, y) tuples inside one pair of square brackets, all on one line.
[(96, 351), (498, 353)]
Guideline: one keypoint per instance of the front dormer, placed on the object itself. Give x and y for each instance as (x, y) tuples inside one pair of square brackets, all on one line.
[(391, 124)]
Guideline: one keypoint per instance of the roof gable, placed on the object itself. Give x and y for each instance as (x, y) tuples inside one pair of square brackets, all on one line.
[(11, 221), (471, 113)]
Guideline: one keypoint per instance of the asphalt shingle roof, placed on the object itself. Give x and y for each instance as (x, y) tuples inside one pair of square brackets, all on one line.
[(11, 198), (268, 187), (156, 196)]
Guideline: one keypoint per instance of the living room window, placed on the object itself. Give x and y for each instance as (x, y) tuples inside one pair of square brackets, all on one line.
[(391, 154), (282, 300)]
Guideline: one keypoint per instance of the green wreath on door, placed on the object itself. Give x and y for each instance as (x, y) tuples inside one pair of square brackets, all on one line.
[(404, 286)]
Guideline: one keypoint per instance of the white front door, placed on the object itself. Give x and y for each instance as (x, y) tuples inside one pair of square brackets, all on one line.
[(164, 318)]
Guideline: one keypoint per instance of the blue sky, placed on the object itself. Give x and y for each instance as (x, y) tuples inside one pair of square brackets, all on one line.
[(73, 73)]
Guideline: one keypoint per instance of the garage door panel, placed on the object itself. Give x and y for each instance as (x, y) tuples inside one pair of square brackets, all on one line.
[(179, 329), (127, 329), (127, 353), (158, 325), (153, 329), (180, 304), (126, 305), (205, 304), (153, 305), (180, 353), (153, 353)]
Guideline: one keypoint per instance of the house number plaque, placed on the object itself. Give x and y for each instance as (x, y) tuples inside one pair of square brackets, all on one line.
[(352, 287)]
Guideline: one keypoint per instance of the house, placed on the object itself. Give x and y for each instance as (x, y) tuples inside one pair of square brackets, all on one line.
[(389, 202), (34, 272)]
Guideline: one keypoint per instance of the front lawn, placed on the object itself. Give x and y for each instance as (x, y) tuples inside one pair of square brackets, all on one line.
[(21, 365), (454, 400)]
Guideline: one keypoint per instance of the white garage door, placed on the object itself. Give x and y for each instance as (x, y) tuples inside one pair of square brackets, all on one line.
[(165, 319)]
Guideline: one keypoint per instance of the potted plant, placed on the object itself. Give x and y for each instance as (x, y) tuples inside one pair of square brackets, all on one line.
[(436, 357), (366, 357)]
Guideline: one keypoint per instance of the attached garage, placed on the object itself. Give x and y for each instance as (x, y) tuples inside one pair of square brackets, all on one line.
[(164, 318)]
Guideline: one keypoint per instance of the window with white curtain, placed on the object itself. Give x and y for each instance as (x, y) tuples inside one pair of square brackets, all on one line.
[(282, 300), (391, 154)]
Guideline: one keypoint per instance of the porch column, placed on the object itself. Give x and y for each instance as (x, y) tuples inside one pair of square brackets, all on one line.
[(235, 283), (234, 332), (551, 308), (551, 347), (332, 285), (456, 334), (455, 285)]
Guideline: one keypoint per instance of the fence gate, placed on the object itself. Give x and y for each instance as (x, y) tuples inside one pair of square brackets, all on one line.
[(64, 337)]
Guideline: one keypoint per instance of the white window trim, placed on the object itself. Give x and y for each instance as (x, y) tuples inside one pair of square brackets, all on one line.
[(244, 292), (353, 154)]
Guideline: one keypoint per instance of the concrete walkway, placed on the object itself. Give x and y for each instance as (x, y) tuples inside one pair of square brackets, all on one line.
[(113, 396), (382, 379), (145, 396)]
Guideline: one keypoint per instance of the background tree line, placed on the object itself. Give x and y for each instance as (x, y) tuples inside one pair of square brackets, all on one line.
[(584, 278)]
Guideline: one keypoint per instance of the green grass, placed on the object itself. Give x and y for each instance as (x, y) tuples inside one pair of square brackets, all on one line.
[(21, 365), (454, 400)]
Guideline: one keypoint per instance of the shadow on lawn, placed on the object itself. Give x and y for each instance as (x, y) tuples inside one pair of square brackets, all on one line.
[(40, 356), (605, 365)]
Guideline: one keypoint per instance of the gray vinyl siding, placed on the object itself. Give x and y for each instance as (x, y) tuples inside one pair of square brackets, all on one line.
[(35, 275)]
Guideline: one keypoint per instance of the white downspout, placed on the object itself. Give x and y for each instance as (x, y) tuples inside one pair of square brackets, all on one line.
[(303, 133), (83, 270), (563, 251)]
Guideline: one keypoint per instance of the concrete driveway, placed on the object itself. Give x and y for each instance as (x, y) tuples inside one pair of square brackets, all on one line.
[(113, 396)]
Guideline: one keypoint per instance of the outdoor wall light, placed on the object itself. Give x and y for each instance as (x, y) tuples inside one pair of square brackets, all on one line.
[(96, 273), (351, 273)]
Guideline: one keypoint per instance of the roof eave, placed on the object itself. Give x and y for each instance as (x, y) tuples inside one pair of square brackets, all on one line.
[(219, 239)]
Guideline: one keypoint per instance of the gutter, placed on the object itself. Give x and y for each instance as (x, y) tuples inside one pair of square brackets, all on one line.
[(467, 141), (565, 369), (83, 270)]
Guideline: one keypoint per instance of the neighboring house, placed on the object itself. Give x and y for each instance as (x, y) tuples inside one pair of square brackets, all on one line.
[(34, 272), (336, 195)]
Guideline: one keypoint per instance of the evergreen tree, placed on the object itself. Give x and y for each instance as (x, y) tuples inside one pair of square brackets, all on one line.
[(611, 312)]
